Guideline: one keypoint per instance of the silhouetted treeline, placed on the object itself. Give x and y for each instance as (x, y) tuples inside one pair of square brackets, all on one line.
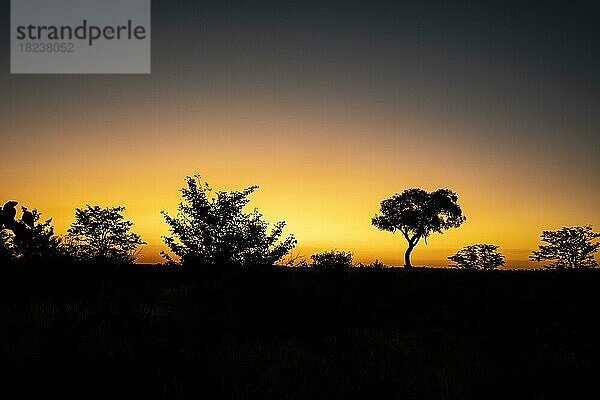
[(98, 236), (228, 322), (213, 229)]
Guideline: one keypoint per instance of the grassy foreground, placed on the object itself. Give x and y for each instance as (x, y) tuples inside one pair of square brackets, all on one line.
[(299, 334)]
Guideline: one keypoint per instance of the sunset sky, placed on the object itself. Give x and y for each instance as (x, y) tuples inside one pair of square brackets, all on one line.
[(330, 107)]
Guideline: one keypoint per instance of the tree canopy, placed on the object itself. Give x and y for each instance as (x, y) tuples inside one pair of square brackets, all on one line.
[(568, 247), (102, 235), (478, 256)]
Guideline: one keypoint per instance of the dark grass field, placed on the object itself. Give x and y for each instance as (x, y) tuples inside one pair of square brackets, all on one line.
[(282, 333)]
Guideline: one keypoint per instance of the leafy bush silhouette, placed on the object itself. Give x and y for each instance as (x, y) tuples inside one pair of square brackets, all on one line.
[(214, 230), (568, 248), (478, 256), (417, 213), (332, 259), (40, 243), (375, 265), (102, 235), (27, 239)]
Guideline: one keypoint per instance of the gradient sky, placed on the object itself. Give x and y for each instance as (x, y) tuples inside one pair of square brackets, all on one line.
[(329, 107)]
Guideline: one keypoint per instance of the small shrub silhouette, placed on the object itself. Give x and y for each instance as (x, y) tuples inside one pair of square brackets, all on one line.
[(332, 259), (478, 256), (375, 265)]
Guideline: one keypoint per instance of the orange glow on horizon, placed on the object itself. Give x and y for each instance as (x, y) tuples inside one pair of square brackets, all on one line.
[(324, 173)]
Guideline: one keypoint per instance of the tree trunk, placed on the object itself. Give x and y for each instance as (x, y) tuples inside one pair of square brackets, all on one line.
[(407, 263)]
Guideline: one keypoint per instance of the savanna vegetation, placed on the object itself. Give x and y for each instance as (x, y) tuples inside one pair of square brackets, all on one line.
[(234, 314)]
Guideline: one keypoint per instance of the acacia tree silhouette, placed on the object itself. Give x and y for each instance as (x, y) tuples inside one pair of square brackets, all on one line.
[(417, 213), (567, 248), (213, 229)]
